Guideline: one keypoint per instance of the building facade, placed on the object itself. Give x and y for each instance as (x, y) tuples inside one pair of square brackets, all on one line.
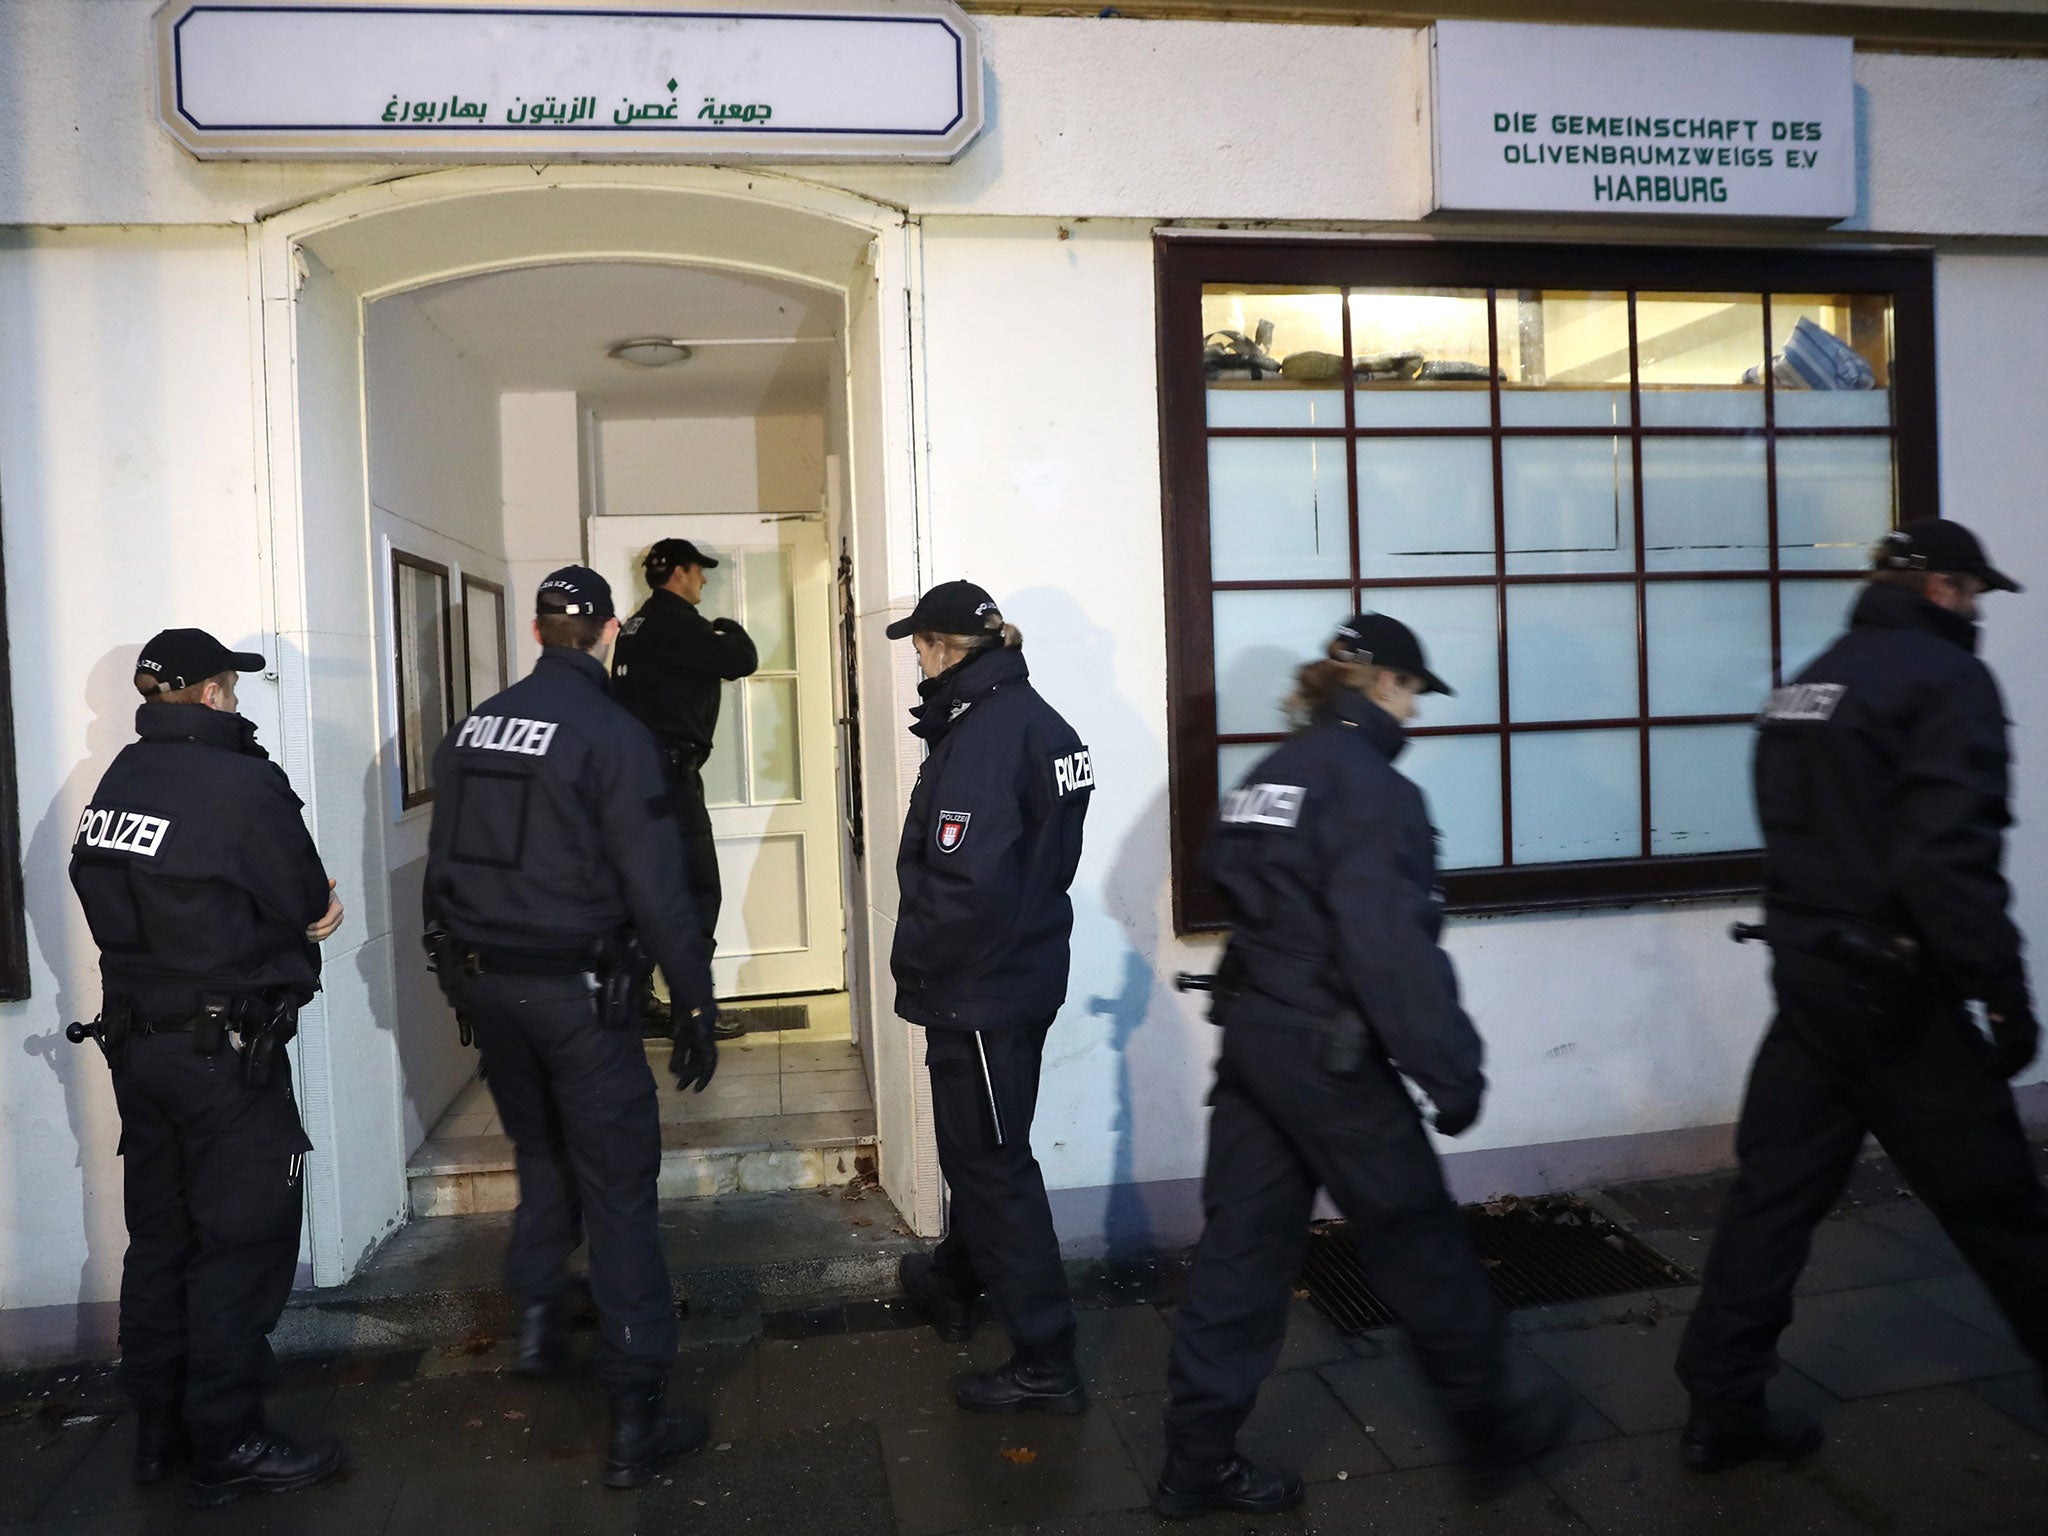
[(346, 412)]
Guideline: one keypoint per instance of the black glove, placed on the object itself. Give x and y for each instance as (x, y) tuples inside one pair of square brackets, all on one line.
[(695, 1056), (1456, 1117), (2015, 1034)]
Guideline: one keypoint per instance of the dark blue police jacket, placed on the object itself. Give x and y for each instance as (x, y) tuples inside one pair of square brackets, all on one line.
[(1881, 785), (1325, 856), (553, 827), (195, 869), (989, 849)]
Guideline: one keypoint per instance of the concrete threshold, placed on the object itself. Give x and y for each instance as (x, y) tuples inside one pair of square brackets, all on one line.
[(733, 1261)]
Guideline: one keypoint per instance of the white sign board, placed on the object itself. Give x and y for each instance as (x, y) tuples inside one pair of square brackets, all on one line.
[(568, 80), (1544, 119)]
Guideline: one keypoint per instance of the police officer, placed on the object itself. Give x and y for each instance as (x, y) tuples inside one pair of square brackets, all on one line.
[(983, 921), (1902, 1002), (668, 670), (207, 901), (555, 853), (1331, 991)]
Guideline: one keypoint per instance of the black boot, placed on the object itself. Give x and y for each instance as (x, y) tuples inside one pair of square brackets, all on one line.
[(1719, 1436), (1522, 1430), (265, 1462), (645, 1433), (950, 1309), (1189, 1488), (1042, 1380), (161, 1444), (540, 1341)]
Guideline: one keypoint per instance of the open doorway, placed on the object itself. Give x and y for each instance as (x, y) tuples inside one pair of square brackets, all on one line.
[(506, 439)]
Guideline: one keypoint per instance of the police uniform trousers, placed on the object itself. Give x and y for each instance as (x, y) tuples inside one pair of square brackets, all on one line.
[(212, 1185), (1282, 1126), (577, 1099), (700, 850), (1000, 1235), (1845, 1057)]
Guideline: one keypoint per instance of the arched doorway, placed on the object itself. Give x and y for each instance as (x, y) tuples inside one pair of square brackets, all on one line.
[(321, 267)]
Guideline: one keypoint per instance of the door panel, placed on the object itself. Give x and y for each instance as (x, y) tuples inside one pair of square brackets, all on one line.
[(770, 781)]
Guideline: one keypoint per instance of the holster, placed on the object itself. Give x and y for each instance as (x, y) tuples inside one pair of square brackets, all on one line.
[(446, 959), (622, 970), (270, 1023), (113, 1027)]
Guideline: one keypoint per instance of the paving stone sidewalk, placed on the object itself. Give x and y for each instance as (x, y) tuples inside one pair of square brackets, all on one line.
[(1935, 1423)]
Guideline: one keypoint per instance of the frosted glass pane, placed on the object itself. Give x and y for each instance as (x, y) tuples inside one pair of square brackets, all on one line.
[(724, 779), (772, 739), (1703, 407), (1571, 652), (1811, 614), (770, 612), (1233, 763), (1710, 646), (1834, 407), (483, 623), (1278, 509), (1460, 775), (1458, 630), (1274, 404), (1563, 407), (1425, 506), (1834, 500), (1706, 504), (1424, 405), (1261, 637), (1570, 505), (1700, 799), (1577, 795)]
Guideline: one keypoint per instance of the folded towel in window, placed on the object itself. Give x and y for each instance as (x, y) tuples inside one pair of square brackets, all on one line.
[(1823, 360)]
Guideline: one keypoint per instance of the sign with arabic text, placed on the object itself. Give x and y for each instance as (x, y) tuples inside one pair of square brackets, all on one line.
[(1556, 119), (568, 80)]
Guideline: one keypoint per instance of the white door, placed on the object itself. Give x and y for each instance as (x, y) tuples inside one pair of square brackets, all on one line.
[(770, 781)]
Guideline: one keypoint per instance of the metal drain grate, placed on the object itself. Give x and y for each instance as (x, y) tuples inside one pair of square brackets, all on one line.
[(770, 1021), (1536, 1252)]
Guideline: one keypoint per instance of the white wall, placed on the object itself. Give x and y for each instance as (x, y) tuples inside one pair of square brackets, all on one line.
[(689, 465), (542, 481), (1088, 117), (434, 493), (128, 472)]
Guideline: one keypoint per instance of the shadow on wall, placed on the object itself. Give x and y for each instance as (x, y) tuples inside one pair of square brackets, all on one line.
[(58, 929), (1146, 1036)]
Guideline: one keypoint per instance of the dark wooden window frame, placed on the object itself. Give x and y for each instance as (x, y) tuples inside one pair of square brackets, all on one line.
[(1186, 264), (478, 584), (409, 795)]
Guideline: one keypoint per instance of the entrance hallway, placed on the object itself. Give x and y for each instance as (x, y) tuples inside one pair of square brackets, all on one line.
[(788, 1109)]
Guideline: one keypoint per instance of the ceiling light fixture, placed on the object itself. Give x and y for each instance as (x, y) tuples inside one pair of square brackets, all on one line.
[(650, 352)]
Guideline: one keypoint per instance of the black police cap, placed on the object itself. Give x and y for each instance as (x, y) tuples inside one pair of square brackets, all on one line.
[(1385, 641), (950, 608), (1936, 544), (179, 658), (576, 590), (674, 554)]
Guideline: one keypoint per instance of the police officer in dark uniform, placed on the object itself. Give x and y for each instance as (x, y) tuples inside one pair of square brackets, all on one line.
[(555, 854), (207, 901), (1331, 991), (1902, 1001), (982, 927), (668, 670)]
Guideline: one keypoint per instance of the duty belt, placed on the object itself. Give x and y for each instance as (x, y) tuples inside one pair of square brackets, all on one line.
[(493, 960)]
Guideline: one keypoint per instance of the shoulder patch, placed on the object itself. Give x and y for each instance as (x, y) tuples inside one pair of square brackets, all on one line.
[(632, 625), (1265, 805), (953, 830), (1804, 703), (115, 831), (1074, 771)]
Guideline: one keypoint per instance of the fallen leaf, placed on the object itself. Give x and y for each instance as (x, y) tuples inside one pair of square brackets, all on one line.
[(1614, 1242), (1301, 1293), (474, 1424), (475, 1344), (514, 1414), (1020, 1455), (863, 1221)]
